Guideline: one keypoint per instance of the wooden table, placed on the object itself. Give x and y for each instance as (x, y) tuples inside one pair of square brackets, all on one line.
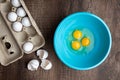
[(48, 14)]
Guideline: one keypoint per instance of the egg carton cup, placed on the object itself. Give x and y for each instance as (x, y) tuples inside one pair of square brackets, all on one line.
[(11, 42)]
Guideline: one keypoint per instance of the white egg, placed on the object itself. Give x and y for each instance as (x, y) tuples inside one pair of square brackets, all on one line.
[(43, 54), (33, 65), (17, 26), (16, 3), (28, 46), (12, 16), (21, 12), (26, 22), (46, 64)]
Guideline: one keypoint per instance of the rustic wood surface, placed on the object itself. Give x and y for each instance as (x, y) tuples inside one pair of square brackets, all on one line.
[(48, 14)]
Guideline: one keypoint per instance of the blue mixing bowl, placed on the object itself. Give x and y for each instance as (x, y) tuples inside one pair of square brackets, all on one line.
[(88, 57)]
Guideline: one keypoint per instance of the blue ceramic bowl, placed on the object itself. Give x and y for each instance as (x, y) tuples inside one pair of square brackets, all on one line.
[(100, 41)]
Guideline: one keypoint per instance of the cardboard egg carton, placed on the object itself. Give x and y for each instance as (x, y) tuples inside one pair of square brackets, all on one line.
[(11, 42)]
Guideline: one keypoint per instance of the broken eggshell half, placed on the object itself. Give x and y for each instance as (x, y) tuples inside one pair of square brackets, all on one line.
[(33, 65), (42, 54), (46, 64)]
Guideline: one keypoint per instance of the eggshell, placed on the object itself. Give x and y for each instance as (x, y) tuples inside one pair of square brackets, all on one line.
[(33, 65), (16, 3), (46, 64), (43, 54), (17, 26), (21, 12), (26, 22), (12, 16), (28, 46)]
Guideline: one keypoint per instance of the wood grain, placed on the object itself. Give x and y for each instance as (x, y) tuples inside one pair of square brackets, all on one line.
[(48, 14)]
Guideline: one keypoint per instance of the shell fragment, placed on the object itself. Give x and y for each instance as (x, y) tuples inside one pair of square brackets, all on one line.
[(46, 64), (33, 65), (43, 54)]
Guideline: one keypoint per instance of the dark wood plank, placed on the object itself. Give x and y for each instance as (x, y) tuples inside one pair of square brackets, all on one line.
[(48, 14)]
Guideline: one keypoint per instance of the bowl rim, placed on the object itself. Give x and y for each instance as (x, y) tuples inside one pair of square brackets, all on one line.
[(108, 51)]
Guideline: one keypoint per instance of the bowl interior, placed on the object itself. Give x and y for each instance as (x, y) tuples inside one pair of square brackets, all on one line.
[(97, 31)]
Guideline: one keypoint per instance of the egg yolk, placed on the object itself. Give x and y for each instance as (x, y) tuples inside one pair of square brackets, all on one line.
[(75, 45), (77, 34), (85, 41)]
